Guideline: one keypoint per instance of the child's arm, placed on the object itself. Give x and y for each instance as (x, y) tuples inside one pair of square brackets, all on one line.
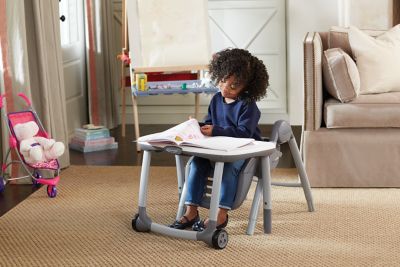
[(207, 119)]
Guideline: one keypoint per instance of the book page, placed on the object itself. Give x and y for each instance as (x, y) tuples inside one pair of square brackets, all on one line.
[(185, 131), (188, 133)]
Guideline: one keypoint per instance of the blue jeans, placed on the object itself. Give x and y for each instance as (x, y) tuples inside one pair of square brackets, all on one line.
[(200, 170)]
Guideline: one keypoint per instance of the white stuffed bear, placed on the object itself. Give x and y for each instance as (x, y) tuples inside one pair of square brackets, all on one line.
[(33, 148)]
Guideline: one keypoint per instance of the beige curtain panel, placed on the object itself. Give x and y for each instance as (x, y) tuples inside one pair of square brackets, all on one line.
[(101, 64), (32, 64)]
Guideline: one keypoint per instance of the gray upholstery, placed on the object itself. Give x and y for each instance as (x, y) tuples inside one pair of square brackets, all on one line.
[(245, 178)]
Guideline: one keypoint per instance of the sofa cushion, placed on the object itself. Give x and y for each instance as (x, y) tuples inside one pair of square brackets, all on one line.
[(366, 111), (340, 73), (339, 38), (378, 60)]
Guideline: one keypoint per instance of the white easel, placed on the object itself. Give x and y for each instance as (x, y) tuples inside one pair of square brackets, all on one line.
[(199, 69)]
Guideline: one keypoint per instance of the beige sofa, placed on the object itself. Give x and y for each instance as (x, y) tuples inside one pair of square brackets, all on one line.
[(353, 144)]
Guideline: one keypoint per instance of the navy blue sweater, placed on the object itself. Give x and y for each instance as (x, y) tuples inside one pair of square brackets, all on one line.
[(236, 119)]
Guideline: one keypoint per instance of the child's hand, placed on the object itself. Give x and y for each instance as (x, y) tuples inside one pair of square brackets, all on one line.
[(206, 130)]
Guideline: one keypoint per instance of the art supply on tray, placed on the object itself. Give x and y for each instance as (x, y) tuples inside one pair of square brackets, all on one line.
[(141, 81)]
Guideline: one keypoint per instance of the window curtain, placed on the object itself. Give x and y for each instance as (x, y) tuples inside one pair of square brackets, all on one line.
[(31, 63), (101, 64)]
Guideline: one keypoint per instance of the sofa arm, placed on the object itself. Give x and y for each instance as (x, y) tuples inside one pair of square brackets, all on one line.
[(313, 89)]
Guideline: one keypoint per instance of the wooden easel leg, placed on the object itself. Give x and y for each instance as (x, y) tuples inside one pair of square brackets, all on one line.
[(196, 105), (136, 121), (200, 75)]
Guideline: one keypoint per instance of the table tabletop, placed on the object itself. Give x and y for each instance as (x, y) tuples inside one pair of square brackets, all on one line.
[(254, 149)]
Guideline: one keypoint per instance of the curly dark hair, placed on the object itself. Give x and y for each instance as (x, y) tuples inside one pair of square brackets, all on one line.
[(247, 70)]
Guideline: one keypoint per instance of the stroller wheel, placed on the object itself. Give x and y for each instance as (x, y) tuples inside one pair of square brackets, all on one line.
[(51, 191), (37, 175), (2, 184)]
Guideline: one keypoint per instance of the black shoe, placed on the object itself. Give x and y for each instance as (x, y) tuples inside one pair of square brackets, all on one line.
[(183, 225), (199, 226)]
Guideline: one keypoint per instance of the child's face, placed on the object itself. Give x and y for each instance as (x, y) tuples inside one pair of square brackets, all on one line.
[(230, 88)]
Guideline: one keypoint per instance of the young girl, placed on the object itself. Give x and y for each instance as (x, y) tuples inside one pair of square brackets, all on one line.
[(242, 80)]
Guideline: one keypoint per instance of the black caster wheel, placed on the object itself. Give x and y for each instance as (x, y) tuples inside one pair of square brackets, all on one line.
[(134, 221), (138, 225), (220, 239)]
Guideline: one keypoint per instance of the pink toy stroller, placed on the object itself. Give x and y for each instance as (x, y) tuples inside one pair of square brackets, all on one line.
[(36, 170)]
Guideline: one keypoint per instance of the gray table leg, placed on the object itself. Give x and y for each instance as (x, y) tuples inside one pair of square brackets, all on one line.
[(254, 209), (181, 205), (302, 173), (144, 178), (180, 173), (267, 199), (143, 222), (215, 194), (182, 195), (207, 234)]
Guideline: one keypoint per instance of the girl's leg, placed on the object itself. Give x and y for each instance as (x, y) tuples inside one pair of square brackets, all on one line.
[(196, 180), (229, 183), (195, 183)]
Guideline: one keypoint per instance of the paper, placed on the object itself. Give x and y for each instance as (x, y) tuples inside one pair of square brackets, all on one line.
[(168, 33), (188, 134)]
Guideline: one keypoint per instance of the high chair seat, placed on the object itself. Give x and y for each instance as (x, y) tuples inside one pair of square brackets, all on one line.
[(251, 171), (244, 182)]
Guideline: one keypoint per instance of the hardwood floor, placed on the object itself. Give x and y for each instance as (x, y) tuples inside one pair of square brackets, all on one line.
[(125, 155)]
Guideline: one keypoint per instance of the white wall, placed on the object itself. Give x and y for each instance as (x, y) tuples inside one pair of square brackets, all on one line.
[(304, 16), (370, 14)]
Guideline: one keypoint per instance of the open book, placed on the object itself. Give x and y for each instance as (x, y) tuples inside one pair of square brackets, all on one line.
[(188, 134)]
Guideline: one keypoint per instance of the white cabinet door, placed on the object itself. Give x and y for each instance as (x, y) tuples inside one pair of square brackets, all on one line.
[(73, 49), (258, 26)]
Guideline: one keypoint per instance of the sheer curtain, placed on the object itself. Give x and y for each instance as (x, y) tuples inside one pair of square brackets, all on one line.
[(31, 63), (101, 66)]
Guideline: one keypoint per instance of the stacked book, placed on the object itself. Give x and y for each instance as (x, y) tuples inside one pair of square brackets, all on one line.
[(89, 140)]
